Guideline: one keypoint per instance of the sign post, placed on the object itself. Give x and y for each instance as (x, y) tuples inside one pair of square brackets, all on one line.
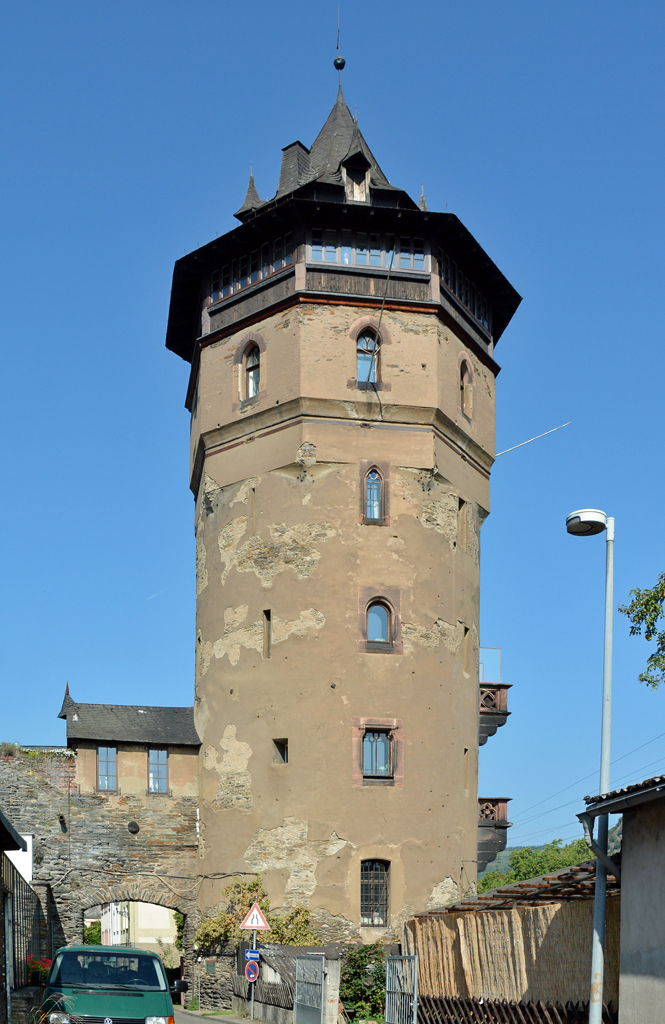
[(254, 921)]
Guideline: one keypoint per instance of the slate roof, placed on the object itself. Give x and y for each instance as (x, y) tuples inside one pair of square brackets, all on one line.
[(129, 723), (252, 198), (339, 140)]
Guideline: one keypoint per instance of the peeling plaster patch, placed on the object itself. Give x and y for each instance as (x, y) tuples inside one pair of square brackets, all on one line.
[(235, 781), (431, 636), (443, 894), (472, 536), (251, 636), (201, 567), (292, 547), (306, 454), (243, 492), (332, 927), (287, 846), (211, 493), (204, 653), (440, 514), (306, 500), (228, 543)]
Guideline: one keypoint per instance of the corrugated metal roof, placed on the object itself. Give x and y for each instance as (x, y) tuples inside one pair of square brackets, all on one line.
[(657, 780)]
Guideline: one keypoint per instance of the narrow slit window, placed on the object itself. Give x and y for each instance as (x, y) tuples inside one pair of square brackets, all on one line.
[(367, 348), (281, 751), (267, 633), (374, 875), (253, 373), (373, 502), (377, 754), (378, 624), (465, 390), (106, 768), (157, 777)]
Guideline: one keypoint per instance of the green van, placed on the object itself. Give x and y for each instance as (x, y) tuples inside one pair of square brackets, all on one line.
[(107, 985)]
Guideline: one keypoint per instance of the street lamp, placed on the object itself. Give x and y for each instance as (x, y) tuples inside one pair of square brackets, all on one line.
[(585, 523)]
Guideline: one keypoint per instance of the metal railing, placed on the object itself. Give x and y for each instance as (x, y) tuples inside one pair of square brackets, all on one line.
[(25, 919)]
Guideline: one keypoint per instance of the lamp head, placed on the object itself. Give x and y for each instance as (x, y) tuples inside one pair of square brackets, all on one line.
[(586, 522)]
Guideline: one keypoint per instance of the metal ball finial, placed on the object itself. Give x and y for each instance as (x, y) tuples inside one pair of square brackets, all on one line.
[(339, 62)]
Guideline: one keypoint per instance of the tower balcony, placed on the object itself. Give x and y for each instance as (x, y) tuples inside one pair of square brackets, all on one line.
[(493, 828), (493, 693)]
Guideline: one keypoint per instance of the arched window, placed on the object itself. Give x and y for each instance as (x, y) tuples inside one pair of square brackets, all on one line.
[(465, 390), (252, 372), (378, 623), (367, 349), (374, 875), (373, 495)]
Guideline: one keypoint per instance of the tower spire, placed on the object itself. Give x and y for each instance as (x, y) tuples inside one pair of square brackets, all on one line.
[(339, 61), (422, 202)]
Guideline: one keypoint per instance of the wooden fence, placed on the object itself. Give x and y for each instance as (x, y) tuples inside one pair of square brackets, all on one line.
[(452, 1010)]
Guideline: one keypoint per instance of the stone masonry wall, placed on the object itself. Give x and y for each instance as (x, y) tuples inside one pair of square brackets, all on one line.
[(84, 854)]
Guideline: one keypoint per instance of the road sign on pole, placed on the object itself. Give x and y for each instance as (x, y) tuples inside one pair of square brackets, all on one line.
[(255, 920), (252, 954), (251, 970)]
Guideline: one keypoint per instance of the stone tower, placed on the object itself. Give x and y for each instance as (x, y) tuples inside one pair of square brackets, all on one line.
[(342, 341)]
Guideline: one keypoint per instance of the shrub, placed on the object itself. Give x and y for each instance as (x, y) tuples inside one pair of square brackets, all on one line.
[(363, 982), (291, 928)]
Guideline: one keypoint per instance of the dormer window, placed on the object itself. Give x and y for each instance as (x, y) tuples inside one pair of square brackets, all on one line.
[(356, 184)]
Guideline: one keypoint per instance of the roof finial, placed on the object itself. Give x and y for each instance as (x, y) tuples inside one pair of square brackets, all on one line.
[(339, 61), (422, 202)]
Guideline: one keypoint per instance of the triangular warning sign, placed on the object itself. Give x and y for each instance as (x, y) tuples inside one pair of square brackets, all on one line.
[(255, 920)]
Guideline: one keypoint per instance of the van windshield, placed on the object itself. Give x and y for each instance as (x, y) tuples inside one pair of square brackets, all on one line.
[(97, 969)]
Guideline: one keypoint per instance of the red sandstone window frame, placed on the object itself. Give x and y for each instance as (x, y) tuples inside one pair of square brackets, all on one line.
[(383, 469), (393, 726), (250, 342), (369, 325), (390, 598)]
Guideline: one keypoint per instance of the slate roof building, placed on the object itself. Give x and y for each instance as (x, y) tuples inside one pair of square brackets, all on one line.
[(342, 347), (122, 746)]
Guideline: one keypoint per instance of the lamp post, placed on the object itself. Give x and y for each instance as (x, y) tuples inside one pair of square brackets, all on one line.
[(586, 523)]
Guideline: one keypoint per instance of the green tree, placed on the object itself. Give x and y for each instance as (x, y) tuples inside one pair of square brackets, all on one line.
[(644, 611), (179, 929), (92, 934), (530, 862), (362, 987), (289, 929)]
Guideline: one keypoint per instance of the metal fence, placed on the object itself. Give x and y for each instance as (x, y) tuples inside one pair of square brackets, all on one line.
[(401, 989), (25, 918), (308, 1000)]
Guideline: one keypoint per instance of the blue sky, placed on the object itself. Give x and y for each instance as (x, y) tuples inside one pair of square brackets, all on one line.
[(128, 131)]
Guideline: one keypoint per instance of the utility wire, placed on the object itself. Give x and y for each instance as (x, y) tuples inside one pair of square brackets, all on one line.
[(566, 788)]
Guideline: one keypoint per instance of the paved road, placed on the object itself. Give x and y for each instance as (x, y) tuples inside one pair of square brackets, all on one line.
[(185, 1017)]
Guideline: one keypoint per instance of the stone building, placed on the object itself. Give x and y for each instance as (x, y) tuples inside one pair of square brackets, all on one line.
[(342, 347), (112, 816)]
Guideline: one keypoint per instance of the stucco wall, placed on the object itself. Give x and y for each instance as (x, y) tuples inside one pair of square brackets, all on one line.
[(277, 524), (642, 972)]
